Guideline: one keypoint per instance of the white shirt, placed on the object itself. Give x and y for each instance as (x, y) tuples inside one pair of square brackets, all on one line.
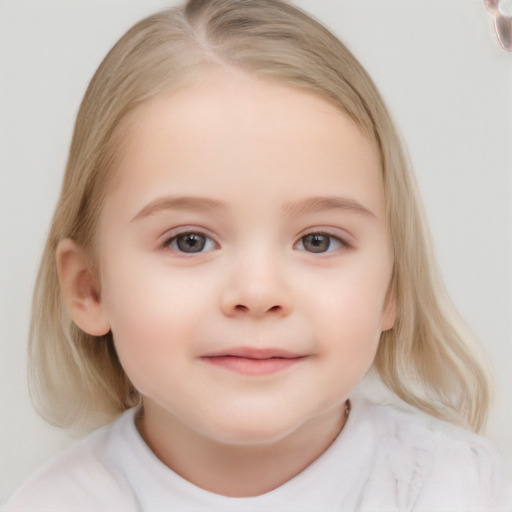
[(385, 459)]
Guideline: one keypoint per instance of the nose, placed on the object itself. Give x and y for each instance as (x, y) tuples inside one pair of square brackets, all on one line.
[(257, 287)]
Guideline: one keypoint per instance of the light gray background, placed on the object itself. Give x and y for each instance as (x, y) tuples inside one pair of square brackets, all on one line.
[(446, 81)]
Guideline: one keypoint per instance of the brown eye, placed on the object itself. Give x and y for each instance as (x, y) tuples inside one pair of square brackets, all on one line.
[(191, 243), (316, 242), (319, 243)]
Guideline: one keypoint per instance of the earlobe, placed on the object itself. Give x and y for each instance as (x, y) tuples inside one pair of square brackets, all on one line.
[(79, 289)]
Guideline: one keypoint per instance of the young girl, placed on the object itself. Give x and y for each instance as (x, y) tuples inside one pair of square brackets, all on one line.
[(237, 243)]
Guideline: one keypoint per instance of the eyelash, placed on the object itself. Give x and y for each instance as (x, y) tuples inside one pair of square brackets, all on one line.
[(172, 242)]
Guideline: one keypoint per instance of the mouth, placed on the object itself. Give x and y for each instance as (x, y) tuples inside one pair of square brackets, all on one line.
[(251, 361)]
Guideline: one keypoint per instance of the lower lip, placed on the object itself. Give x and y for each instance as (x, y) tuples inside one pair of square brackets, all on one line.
[(247, 366)]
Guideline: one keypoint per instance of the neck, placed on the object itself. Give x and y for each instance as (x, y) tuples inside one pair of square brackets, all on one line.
[(238, 470)]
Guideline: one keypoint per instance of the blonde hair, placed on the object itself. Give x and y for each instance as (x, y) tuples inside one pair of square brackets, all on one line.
[(428, 359)]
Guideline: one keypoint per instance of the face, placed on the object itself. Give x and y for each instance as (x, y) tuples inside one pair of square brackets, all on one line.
[(244, 258)]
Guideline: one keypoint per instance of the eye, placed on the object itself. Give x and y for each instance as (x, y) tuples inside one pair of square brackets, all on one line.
[(320, 243), (191, 243)]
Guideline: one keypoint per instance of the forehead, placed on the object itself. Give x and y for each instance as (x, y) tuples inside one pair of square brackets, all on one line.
[(233, 133)]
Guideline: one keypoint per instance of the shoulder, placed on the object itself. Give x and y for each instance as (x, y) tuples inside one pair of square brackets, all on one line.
[(436, 465), (83, 478)]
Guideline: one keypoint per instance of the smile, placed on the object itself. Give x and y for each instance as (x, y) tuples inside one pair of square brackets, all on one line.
[(247, 361)]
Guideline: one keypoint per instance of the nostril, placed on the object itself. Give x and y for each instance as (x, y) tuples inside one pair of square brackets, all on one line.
[(256, 310), (241, 307)]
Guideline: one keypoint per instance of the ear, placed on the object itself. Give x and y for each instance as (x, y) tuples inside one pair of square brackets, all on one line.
[(79, 289), (389, 309)]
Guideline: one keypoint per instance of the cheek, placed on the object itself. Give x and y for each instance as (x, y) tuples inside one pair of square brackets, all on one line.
[(150, 312), (351, 309), (156, 311), (354, 297)]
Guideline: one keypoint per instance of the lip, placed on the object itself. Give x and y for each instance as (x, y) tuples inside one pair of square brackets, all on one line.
[(254, 361)]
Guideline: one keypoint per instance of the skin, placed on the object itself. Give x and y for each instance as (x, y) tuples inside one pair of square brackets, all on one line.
[(255, 156)]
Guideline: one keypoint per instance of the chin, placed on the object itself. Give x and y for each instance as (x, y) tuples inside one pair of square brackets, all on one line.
[(250, 437), (251, 431)]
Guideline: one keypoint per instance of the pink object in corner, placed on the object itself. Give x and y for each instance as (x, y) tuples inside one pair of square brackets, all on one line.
[(502, 24)]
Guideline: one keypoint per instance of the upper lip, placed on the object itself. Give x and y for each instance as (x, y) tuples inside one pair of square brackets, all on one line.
[(255, 353)]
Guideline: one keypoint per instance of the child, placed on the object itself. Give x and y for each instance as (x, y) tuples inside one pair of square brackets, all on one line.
[(238, 241)]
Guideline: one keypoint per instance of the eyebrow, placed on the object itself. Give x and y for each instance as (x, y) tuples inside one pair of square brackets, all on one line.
[(179, 203), (205, 204), (318, 204)]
